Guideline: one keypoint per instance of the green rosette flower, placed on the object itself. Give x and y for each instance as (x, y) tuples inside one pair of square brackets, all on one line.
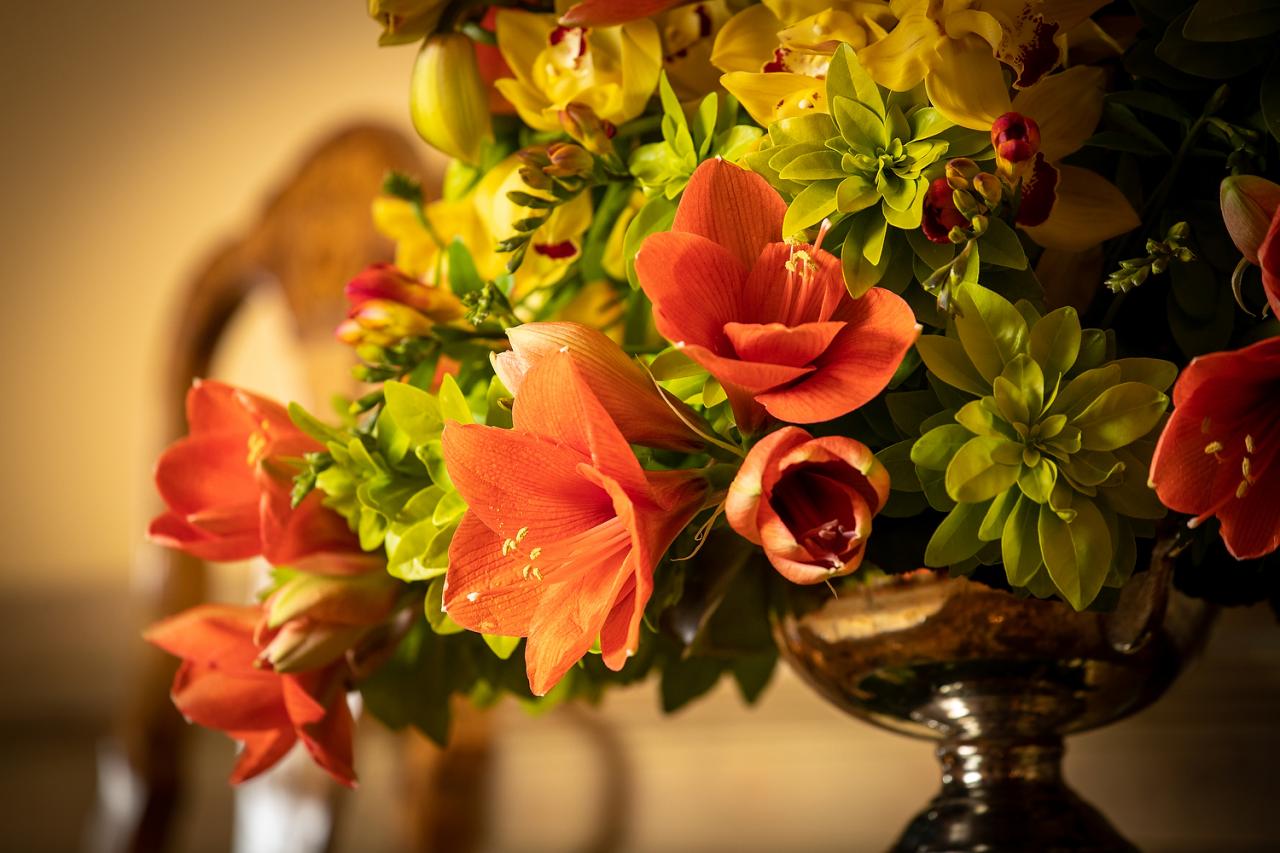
[(1045, 469), (867, 165)]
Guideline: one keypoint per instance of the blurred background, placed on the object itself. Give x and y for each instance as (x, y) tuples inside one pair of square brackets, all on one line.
[(139, 135)]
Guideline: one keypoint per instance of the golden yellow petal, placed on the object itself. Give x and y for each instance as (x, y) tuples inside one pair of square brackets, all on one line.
[(1089, 209), (1066, 106)]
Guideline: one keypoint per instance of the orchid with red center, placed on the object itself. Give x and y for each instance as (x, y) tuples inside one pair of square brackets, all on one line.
[(1219, 455), (772, 321), (564, 528), (222, 684), (228, 486), (808, 502)]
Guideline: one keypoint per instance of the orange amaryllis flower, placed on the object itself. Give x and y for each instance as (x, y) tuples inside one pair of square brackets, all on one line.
[(771, 320), (1219, 454), (564, 527), (222, 685), (808, 502), (606, 13), (228, 488), (642, 412)]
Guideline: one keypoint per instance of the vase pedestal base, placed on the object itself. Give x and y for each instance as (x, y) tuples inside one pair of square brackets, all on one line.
[(1007, 795)]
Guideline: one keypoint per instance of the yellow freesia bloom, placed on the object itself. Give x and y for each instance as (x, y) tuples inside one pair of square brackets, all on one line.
[(776, 54), (555, 245), (612, 70), (1087, 208), (956, 47)]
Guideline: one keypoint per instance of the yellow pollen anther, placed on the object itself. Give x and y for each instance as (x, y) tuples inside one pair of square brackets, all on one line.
[(535, 553), (1213, 447), (1244, 469), (257, 446), (537, 574), (508, 546), (525, 569), (1248, 443), (521, 533), (801, 262), (1242, 488)]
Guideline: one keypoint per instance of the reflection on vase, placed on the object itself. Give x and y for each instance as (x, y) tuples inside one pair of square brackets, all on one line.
[(998, 680)]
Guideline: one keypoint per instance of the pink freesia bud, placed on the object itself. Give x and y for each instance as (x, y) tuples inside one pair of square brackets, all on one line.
[(386, 282), (1015, 137)]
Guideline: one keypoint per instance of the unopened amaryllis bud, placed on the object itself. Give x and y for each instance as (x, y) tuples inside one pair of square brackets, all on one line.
[(940, 215), (1016, 138), (448, 101), (586, 128), (1249, 204)]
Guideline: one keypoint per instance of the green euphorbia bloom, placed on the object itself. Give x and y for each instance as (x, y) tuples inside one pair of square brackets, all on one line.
[(870, 160), (1046, 468)]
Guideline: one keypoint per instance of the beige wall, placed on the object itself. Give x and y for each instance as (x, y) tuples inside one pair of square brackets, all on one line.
[(135, 133)]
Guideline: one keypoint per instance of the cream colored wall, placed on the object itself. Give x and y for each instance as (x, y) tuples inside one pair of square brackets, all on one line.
[(135, 134)]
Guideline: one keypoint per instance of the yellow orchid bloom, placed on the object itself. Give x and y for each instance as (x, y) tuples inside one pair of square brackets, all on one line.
[(957, 47), (775, 55), (614, 259), (1086, 208), (598, 305), (555, 245), (612, 70), (688, 35)]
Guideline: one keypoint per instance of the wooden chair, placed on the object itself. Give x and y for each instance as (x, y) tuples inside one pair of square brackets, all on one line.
[(313, 235)]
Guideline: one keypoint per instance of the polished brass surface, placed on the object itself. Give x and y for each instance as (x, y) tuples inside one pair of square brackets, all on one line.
[(998, 680)]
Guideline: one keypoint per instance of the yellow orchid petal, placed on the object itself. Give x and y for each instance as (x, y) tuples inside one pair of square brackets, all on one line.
[(1070, 13), (521, 37), (972, 22), (1088, 210), (747, 40), (794, 10), (900, 60), (640, 65), (1066, 106), (567, 222), (965, 83), (777, 95), (528, 101)]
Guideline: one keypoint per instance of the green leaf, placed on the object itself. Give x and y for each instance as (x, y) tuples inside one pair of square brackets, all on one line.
[(463, 276), (501, 646), (990, 328), (1156, 372), (935, 448), (993, 522), (946, 359), (684, 680), (657, 215), (810, 129), (453, 404), (973, 475), (926, 122), (860, 274), (1232, 20), (1084, 389), (1077, 554), (909, 409), (896, 458), (315, 427), (847, 78), (414, 412), (1269, 96), (1020, 543), (1120, 415), (1211, 60), (1024, 373), (752, 672), (956, 538), (1036, 481), (1055, 341), (1001, 246), (814, 203), (406, 560), (421, 660), (1151, 102), (859, 125), (814, 166)]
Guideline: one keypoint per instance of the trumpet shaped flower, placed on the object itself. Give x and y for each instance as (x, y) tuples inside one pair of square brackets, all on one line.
[(564, 528), (222, 685), (1219, 455), (771, 320), (611, 70), (228, 488), (957, 49)]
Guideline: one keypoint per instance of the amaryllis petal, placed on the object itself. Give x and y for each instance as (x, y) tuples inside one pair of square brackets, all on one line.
[(1252, 529), (774, 343), (174, 531), (1089, 209), (309, 536), (260, 751), (880, 328), (484, 587), (733, 207), (230, 702), (1269, 260), (644, 414), (215, 634), (696, 286), (740, 506), (203, 471), (791, 284)]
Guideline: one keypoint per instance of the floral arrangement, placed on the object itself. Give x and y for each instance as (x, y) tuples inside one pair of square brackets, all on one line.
[(724, 297)]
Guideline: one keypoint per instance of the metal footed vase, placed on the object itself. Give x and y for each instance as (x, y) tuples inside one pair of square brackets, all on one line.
[(997, 681)]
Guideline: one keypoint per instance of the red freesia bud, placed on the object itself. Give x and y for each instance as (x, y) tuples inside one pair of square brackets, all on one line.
[(221, 685), (1217, 455), (1015, 137), (600, 13), (386, 282), (940, 214), (808, 502)]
